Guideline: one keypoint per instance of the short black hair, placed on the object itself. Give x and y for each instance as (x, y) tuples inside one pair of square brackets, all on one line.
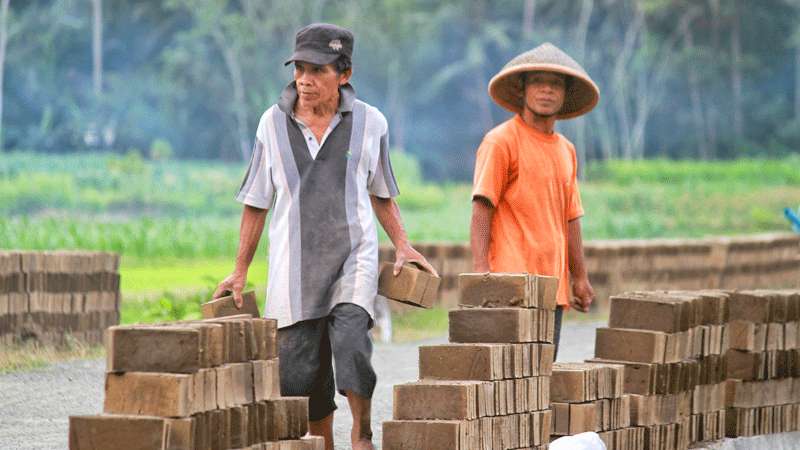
[(343, 64)]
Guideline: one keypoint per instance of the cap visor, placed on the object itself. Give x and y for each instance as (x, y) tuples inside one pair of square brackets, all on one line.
[(312, 57)]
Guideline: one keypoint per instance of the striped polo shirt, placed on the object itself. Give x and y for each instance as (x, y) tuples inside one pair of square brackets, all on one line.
[(323, 244)]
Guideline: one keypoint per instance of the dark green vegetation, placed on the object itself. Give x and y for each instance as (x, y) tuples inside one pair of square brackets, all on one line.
[(191, 78)]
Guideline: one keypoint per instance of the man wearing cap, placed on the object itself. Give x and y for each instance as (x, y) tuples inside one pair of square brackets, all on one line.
[(321, 164), (526, 207)]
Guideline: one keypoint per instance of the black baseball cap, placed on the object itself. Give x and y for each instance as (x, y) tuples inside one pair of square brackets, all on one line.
[(321, 43)]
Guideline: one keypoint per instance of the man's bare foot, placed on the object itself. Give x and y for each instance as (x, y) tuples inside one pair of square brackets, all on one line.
[(363, 444)]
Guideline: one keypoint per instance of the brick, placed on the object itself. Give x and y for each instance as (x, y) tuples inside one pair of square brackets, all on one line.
[(413, 435), (238, 420), (741, 335), (283, 418), (242, 383), (568, 385), (432, 399), (412, 286), (461, 362), (209, 377), (225, 306), (744, 365), (630, 345), (266, 335), (234, 348), (181, 433), (266, 379), (494, 325), (560, 422), (495, 290), (224, 387), (749, 306), (504, 290), (582, 417), (646, 314), (153, 349), (150, 394), (117, 432)]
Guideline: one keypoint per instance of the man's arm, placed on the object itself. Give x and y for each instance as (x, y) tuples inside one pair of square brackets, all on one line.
[(388, 214), (250, 230), (479, 233), (581, 288)]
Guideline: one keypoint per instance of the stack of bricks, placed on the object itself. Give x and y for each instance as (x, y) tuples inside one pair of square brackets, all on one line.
[(589, 397), (49, 296), (197, 385), (763, 391), (489, 388), (672, 345)]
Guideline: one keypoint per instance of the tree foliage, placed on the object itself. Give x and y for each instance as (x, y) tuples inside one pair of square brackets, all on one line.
[(701, 79)]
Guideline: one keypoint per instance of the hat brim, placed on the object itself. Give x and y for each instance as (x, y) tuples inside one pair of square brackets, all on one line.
[(507, 90), (313, 57)]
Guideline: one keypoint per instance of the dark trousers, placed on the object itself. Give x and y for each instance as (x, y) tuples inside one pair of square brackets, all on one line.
[(557, 334), (309, 350)]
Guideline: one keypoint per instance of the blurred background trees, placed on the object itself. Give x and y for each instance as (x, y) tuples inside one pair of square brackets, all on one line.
[(705, 79)]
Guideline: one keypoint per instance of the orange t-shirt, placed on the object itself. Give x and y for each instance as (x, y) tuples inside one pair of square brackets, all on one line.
[(531, 179)]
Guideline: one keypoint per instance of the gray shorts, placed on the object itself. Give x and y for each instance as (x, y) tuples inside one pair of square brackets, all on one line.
[(309, 350)]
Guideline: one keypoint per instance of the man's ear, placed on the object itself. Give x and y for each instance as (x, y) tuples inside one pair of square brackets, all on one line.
[(344, 77)]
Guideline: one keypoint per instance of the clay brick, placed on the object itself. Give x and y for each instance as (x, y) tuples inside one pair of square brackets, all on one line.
[(151, 394), (224, 390), (582, 417), (412, 286), (432, 399), (181, 433), (283, 418), (153, 349), (568, 385), (749, 306), (461, 362), (504, 290), (413, 435), (242, 383), (237, 425), (493, 325), (225, 306), (493, 290), (266, 335), (117, 432), (630, 345), (266, 379), (646, 314), (744, 365), (741, 335)]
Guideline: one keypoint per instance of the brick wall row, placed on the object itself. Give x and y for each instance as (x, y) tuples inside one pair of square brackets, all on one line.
[(747, 262), (48, 296)]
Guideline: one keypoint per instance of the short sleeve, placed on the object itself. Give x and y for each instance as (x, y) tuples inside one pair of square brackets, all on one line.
[(382, 182), (575, 206), (257, 188), (492, 167)]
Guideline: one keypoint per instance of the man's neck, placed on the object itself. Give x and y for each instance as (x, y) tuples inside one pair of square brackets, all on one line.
[(320, 110), (545, 124)]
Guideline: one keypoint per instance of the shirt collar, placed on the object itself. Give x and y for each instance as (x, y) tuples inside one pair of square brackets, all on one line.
[(347, 96)]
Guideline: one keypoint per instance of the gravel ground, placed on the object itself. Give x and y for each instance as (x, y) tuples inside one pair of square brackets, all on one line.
[(35, 406)]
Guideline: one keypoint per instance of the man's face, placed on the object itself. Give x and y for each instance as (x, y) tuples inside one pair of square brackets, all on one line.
[(317, 84), (544, 93)]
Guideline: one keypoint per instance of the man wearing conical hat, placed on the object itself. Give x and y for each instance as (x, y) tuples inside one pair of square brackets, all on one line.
[(526, 205)]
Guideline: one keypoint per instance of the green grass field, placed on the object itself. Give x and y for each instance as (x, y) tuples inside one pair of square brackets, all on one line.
[(175, 223)]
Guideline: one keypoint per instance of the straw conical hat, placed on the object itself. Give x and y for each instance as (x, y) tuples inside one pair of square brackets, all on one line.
[(506, 88)]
